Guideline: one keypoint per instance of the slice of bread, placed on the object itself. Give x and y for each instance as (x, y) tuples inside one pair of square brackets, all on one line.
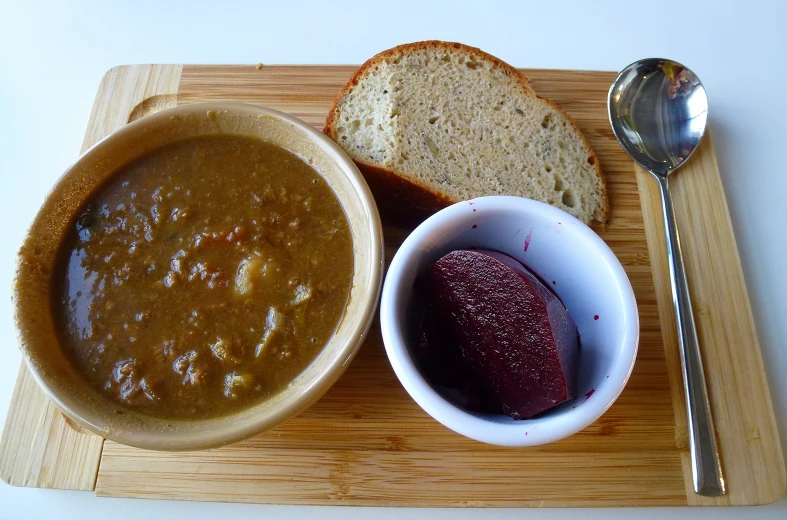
[(432, 123)]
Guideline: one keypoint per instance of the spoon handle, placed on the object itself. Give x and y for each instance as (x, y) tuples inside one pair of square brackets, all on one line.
[(705, 464)]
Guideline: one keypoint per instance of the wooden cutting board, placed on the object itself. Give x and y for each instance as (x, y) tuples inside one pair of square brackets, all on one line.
[(367, 443)]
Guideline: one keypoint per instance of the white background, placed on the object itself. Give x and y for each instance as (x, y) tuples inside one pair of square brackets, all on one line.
[(52, 57)]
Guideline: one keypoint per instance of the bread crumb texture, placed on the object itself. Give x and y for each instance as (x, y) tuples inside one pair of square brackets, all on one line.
[(463, 124)]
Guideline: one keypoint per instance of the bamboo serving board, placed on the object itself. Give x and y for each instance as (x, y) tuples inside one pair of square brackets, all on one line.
[(367, 442)]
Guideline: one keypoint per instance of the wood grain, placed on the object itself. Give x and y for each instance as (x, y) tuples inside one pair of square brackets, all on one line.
[(40, 447), (394, 478), (751, 451), (367, 443)]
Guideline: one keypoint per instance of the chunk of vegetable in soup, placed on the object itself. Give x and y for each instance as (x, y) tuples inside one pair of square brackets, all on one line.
[(204, 277)]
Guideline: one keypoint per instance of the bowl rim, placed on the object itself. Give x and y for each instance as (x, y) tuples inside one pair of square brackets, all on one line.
[(520, 433), (173, 440)]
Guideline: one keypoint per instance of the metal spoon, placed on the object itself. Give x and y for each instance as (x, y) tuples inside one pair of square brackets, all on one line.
[(658, 110)]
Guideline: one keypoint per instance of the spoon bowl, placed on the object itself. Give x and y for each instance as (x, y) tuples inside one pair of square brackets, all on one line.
[(659, 111)]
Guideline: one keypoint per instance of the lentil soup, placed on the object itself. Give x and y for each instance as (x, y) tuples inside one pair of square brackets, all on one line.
[(204, 277)]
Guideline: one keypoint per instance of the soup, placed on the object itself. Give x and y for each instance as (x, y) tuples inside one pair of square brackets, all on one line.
[(204, 277)]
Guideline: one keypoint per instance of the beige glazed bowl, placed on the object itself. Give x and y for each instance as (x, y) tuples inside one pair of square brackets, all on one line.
[(38, 255)]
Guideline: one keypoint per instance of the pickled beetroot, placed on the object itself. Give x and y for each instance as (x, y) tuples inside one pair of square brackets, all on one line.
[(506, 334)]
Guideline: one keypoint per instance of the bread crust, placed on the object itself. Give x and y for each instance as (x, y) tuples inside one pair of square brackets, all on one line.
[(402, 200)]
